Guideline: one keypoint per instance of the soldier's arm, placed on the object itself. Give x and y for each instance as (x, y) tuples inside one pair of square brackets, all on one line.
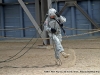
[(46, 27)]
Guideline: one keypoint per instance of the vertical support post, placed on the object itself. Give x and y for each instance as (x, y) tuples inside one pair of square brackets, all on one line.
[(44, 10), (50, 6), (73, 19), (21, 21), (56, 5), (2, 20), (90, 13), (37, 11), (89, 8), (32, 19)]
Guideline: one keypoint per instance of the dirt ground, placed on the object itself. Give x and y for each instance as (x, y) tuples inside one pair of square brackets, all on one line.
[(40, 60)]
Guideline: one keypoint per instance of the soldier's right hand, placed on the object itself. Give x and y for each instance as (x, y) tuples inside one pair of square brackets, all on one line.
[(53, 30)]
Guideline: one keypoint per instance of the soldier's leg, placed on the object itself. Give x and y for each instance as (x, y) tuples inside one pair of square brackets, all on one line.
[(59, 36), (58, 46)]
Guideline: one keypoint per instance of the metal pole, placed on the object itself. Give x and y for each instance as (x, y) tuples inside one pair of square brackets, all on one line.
[(21, 21), (64, 7), (73, 19), (32, 19), (2, 20), (37, 11), (90, 14), (50, 6), (86, 15), (44, 9)]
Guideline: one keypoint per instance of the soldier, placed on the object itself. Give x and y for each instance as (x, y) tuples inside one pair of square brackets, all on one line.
[(53, 25)]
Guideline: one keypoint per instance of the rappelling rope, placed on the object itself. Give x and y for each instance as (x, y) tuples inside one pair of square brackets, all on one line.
[(17, 28), (41, 25), (96, 30), (83, 33), (90, 32), (22, 54), (9, 59), (79, 29)]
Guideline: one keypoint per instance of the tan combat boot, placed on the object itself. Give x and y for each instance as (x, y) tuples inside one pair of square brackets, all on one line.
[(65, 55)]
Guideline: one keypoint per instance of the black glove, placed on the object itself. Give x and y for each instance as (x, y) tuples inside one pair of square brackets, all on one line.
[(61, 25), (58, 15), (53, 30)]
